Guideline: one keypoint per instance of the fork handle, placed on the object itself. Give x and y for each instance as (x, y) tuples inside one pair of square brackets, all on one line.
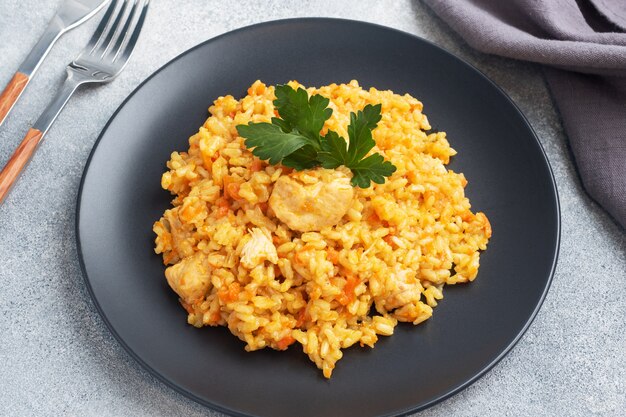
[(27, 69), (22, 155), (11, 93), (11, 172)]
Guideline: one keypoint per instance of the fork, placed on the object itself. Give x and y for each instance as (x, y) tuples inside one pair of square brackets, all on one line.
[(104, 57)]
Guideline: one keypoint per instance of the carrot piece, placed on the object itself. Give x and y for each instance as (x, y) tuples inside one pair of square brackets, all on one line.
[(231, 187), (189, 212), (222, 211), (169, 256), (230, 293), (373, 217), (285, 342), (467, 216), (222, 207), (333, 256), (215, 318), (233, 190), (256, 165), (301, 318), (348, 294)]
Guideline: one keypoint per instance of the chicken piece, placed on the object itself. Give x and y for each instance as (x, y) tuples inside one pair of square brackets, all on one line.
[(404, 299), (309, 201), (258, 249), (408, 290), (190, 279)]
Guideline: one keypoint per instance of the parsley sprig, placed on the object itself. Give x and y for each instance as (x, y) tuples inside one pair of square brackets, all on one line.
[(294, 139)]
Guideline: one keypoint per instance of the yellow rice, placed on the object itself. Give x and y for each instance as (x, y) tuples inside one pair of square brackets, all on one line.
[(385, 261)]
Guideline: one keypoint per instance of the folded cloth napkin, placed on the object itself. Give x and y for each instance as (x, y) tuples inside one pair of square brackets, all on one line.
[(583, 45)]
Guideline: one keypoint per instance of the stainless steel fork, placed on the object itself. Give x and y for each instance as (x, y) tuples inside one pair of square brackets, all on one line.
[(104, 57)]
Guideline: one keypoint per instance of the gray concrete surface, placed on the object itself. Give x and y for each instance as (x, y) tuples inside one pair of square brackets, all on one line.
[(56, 355)]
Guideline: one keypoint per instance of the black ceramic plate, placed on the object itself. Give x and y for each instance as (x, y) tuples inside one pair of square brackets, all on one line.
[(472, 328)]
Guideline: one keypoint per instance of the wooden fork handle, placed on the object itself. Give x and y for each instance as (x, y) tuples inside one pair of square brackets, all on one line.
[(11, 93), (11, 171)]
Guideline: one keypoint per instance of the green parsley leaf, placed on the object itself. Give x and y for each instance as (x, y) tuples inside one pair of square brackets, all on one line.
[(294, 140), (304, 158), (373, 168), (270, 142), (334, 151), (301, 113), (360, 132), (284, 126), (335, 154)]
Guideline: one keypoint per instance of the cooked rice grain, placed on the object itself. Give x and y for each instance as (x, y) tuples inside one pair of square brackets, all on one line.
[(234, 263)]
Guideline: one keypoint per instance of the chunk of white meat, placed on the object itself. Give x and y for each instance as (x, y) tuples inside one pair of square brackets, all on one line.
[(407, 289), (312, 201), (404, 298), (258, 249), (190, 279)]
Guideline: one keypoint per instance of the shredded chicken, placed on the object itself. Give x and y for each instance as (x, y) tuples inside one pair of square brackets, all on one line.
[(311, 201), (189, 278), (258, 249)]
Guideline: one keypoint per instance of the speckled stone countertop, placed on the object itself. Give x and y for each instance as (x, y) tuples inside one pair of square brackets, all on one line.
[(58, 358)]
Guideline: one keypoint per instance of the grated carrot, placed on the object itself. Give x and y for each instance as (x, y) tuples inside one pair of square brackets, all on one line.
[(333, 256), (301, 318), (285, 342), (256, 165), (231, 187), (230, 293), (223, 206), (348, 295)]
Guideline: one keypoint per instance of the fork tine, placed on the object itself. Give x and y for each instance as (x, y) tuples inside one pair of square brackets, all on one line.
[(106, 19), (106, 38), (127, 50), (114, 50)]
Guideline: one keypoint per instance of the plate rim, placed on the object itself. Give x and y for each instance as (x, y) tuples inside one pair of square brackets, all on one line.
[(404, 412)]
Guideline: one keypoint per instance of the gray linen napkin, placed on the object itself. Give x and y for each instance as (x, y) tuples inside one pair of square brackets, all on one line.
[(584, 44)]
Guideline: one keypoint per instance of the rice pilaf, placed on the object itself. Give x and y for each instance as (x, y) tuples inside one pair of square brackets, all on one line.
[(348, 264)]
